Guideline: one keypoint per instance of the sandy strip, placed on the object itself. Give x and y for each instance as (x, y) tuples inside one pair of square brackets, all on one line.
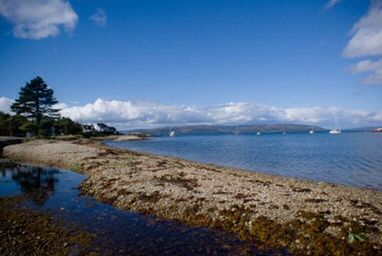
[(307, 217), (129, 137)]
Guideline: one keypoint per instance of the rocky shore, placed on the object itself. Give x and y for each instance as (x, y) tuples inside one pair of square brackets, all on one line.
[(25, 232), (306, 217)]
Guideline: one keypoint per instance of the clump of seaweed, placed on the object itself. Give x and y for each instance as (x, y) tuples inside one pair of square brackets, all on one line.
[(188, 183), (123, 192), (240, 196), (363, 205), (315, 200), (301, 190), (265, 183), (151, 198)]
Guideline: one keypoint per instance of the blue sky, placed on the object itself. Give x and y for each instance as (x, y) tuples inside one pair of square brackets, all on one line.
[(153, 62)]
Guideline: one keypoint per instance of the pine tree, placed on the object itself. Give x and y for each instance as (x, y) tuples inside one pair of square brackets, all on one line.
[(35, 101)]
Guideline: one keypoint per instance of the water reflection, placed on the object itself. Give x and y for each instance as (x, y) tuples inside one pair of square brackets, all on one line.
[(38, 183), (117, 232)]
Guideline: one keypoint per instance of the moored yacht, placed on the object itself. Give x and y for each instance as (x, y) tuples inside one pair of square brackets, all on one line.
[(171, 133), (337, 128)]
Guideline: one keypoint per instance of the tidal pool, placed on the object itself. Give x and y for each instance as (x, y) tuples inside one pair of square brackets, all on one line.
[(117, 232)]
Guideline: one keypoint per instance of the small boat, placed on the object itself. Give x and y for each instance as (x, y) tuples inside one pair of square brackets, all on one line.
[(171, 133), (337, 128), (258, 133), (311, 132)]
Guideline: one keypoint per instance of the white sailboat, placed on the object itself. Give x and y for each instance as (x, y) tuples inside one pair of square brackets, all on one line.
[(337, 128), (171, 133), (311, 131)]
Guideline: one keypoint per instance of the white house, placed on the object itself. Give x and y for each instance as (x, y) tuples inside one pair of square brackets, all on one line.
[(101, 127), (98, 127), (87, 128)]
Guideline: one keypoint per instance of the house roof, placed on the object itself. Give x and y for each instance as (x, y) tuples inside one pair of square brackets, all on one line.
[(102, 125)]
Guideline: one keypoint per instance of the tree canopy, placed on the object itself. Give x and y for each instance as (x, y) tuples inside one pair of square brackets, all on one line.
[(35, 101), (18, 125), (12, 125), (35, 113)]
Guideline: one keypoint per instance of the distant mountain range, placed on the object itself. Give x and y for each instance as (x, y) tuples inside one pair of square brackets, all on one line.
[(224, 129), (363, 129)]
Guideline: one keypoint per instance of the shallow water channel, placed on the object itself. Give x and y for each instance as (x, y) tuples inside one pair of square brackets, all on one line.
[(118, 232)]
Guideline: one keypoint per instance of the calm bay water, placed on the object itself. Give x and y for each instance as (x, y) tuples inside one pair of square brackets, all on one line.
[(349, 158)]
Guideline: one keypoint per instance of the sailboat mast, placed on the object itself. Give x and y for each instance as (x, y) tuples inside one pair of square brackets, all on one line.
[(337, 124)]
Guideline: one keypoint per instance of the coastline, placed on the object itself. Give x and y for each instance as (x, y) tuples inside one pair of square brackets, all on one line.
[(8, 140), (303, 216)]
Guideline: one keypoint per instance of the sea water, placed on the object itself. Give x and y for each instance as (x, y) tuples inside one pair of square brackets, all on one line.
[(353, 159)]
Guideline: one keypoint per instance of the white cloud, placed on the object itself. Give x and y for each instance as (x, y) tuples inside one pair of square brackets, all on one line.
[(323, 115), (36, 19), (142, 114), (138, 113), (330, 4), (366, 34), (366, 41), (373, 68), (5, 104), (127, 114), (99, 18)]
